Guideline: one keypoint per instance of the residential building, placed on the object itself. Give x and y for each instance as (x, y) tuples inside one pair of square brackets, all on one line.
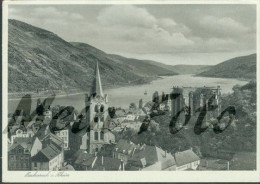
[(124, 150), (19, 156), (21, 133), (151, 158), (50, 158), (102, 163), (131, 117), (21, 151), (71, 141), (186, 160)]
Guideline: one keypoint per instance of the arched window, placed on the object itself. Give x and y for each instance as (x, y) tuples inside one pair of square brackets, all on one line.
[(102, 108), (97, 107)]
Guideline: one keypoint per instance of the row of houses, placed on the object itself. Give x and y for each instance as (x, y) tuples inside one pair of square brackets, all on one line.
[(147, 157), (128, 156), (43, 151)]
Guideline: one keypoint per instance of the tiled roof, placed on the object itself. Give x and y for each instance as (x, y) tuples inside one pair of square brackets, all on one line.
[(109, 164), (124, 145), (68, 168), (185, 157), (153, 154), (47, 154), (84, 158), (25, 142), (52, 138), (120, 113), (168, 163), (42, 132)]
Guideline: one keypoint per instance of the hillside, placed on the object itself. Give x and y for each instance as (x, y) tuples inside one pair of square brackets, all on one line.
[(39, 59), (190, 69), (240, 67), (139, 67)]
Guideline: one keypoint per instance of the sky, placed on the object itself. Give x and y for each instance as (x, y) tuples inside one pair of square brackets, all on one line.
[(171, 34)]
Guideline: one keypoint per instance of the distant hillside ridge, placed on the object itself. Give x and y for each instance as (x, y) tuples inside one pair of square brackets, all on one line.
[(137, 66), (190, 69), (243, 67), (40, 59)]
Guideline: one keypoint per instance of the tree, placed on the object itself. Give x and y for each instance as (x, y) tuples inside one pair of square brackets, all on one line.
[(111, 111), (133, 106), (163, 97)]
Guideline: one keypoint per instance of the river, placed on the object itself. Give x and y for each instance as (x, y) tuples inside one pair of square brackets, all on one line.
[(123, 96)]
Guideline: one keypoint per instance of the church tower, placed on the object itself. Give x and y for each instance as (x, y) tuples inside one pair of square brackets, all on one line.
[(97, 115)]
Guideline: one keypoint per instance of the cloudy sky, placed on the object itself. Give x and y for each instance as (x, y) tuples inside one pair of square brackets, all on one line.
[(171, 34)]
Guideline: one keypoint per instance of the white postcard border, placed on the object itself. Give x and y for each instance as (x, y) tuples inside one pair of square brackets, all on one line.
[(116, 176)]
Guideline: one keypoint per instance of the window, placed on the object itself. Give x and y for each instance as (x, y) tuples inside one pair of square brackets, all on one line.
[(35, 164), (19, 150), (97, 108), (96, 135), (96, 119), (102, 135), (102, 108)]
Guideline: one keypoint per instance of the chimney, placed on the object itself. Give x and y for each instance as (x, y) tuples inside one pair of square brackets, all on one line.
[(191, 148), (227, 165), (165, 153), (102, 160)]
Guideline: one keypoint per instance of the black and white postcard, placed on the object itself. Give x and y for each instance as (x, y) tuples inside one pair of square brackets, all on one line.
[(101, 91)]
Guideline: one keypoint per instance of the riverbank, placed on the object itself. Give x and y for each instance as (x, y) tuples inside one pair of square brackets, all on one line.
[(72, 92)]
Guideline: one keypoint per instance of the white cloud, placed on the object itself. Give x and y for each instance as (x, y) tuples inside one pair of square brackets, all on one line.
[(134, 30), (126, 15), (225, 26), (139, 31)]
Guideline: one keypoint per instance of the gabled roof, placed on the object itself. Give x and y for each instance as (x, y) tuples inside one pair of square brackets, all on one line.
[(120, 113), (185, 157), (47, 154), (151, 155), (53, 139), (84, 159), (42, 132), (124, 145), (109, 164), (96, 84), (24, 142)]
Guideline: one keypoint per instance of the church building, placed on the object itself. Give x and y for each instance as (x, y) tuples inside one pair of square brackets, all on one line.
[(97, 116)]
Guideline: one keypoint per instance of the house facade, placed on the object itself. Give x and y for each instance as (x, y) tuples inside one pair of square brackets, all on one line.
[(50, 158)]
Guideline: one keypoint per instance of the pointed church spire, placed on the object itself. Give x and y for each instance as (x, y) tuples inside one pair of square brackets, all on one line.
[(96, 84)]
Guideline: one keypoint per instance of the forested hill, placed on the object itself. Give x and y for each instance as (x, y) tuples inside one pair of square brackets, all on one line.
[(40, 59), (240, 67)]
